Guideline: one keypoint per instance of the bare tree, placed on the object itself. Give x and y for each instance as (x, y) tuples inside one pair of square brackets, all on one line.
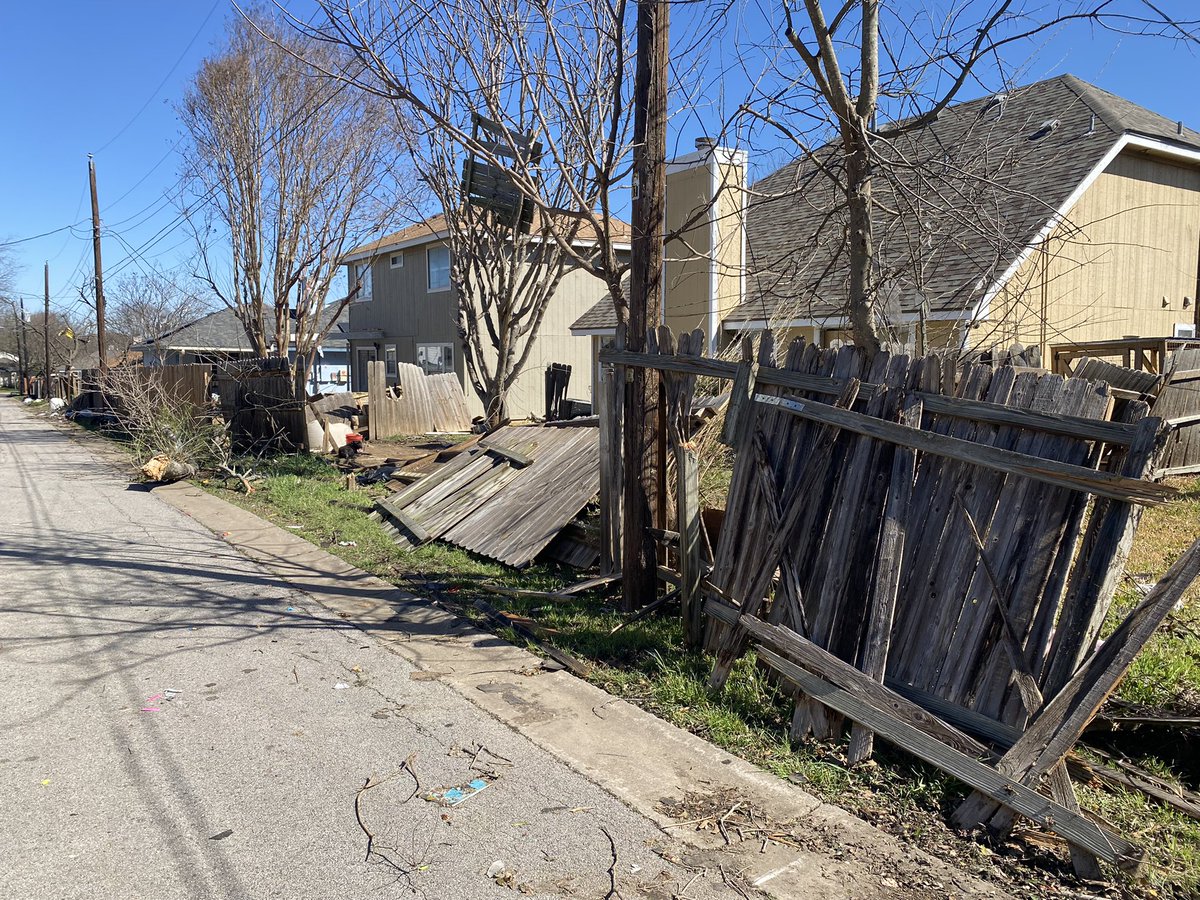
[(554, 71), (11, 321), (506, 264), (285, 171), (145, 306), (927, 60)]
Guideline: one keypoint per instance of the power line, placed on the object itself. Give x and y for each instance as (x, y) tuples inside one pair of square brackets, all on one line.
[(35, 237), (209, 195), (170, 72)]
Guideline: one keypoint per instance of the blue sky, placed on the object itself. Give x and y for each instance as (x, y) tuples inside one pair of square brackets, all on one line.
[(104, 77)]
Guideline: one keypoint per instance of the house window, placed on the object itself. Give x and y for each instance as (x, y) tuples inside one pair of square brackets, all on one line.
[(389, 359), (396, 260), (437, 265), (1184, 330), (361, 273), (435, 359)]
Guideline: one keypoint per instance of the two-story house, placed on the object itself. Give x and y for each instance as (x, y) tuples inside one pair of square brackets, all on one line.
[(407, 311)]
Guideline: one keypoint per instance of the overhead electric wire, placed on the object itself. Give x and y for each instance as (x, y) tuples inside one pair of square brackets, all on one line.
[(170, 72), (208, 196)]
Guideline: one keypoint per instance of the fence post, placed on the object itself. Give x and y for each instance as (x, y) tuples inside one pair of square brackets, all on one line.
[(612, 477), (679, 389)]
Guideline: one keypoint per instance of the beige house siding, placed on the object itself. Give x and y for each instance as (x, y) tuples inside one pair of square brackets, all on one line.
[(703, 269), (686, 288), (408, 314), (731, 204), (576, 294), (1121, 265)]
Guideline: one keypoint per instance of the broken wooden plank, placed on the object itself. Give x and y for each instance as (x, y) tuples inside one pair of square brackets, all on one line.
[(574, 664), (857, 684), (515, 457), (524, 593), (1055, 817), (590, 584), (1062, 721), (745, 376), (1118, 433), (1049, 471), (882, 603), (419, 534)]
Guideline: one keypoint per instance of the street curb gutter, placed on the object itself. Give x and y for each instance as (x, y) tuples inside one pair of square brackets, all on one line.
[(632, 754)]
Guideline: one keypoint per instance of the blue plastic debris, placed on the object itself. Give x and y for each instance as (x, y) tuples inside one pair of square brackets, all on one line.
[(452, 796)]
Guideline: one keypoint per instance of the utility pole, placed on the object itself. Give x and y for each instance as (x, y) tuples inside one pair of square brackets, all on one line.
[(23, 352), (101, 342), (638, 556), (46, 334)]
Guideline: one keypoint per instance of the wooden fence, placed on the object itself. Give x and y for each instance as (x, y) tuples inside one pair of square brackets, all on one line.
[(1173, 394), (1151, 354), (258, 400), (85, 388), (928, 550), (416, 404)]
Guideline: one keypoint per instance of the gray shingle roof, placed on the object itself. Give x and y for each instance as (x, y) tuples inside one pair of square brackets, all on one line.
[(220, 330), (958, 201)]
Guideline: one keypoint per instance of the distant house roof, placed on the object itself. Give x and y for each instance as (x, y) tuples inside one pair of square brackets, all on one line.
[(222, 331), (959, 202), (434, 228)]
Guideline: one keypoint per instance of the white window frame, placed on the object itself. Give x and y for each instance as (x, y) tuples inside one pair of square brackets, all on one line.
[(368, 283), (390, 367), (444, 346), (429, 251), (396, 260), (1184, 331)]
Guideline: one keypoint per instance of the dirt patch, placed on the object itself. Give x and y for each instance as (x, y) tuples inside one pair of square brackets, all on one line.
[(1028, 865)]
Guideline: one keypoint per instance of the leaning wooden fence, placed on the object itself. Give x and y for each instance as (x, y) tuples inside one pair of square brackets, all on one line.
[(1174, 397), (927, 550)]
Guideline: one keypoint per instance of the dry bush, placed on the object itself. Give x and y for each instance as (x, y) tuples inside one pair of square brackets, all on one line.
[(159, 422)]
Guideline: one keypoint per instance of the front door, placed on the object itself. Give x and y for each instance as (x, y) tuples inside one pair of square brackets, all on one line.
[(365, 355)]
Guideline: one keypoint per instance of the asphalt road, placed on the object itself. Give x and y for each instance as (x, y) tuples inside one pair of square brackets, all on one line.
[(175, 723)]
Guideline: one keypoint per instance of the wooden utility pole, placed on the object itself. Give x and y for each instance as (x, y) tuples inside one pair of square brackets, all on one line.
[(46, 334), (638, 556), (23, 352), (101, 342)]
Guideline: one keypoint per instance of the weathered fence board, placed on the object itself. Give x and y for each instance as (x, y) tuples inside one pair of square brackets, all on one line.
[(416, 404)]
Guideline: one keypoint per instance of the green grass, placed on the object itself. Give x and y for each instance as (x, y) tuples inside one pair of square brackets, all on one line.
[(1172, 840), (1166, 674), (646, 664)]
